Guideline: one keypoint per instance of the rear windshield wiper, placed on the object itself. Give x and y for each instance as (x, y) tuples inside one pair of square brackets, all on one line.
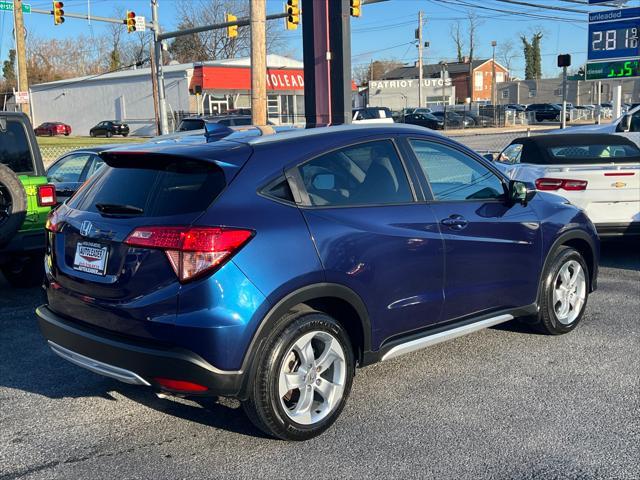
[(115, 209)]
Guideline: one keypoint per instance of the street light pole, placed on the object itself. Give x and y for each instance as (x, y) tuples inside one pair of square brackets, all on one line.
[(158, 72), (420, 67), (494, 100)]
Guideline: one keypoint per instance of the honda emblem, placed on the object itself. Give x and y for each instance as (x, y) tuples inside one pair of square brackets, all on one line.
[(85, 228)]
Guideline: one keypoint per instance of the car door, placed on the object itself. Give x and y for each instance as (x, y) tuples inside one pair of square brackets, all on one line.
[(492, 249), (373, 236)]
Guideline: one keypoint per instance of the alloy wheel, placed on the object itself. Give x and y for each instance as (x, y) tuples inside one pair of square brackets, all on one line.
[(312, 377), (569, 292)]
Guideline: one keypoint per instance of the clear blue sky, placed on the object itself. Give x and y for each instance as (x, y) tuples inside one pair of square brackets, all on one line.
[(384, 30)]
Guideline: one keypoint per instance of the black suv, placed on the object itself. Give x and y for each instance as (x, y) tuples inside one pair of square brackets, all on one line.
[(545, 111)]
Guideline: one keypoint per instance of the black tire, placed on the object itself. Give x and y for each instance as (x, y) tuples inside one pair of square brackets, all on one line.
[(125, 134), (108, 134), (26, 273), (92, 133), (547, 320), (13, 201), (264, 407)]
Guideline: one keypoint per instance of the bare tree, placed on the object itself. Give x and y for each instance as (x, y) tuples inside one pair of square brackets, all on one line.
[(456, 36), (473, 23), (506, 53), (215, 44)]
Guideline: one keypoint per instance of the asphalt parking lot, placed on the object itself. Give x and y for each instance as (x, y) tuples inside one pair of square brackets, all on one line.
[(503, 403)]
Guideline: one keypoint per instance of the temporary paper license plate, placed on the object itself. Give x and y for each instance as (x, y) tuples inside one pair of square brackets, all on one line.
[(91, 258)]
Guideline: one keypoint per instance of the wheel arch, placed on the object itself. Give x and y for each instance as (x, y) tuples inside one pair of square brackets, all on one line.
[(584, 244), (337, 301)]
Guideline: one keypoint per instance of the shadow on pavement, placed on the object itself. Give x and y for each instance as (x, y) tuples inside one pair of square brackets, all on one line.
[(28, 365), (619, 253)]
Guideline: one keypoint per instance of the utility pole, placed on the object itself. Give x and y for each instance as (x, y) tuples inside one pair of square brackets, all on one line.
[(419, 35), (258, 19), (21, 52), (154, 87), (158, 72)]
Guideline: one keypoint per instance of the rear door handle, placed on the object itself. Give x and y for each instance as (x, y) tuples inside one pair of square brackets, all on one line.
[(455, 222)]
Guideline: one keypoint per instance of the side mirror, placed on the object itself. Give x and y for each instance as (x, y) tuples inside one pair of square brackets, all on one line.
[(520, 192), (490, 156), (625, 123)]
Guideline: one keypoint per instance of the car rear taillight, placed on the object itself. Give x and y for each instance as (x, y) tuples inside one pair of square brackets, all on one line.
[(192, 251), (560, 183), (47, 196)]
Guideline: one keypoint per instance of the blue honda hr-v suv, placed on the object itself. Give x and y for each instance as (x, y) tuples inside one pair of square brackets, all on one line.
[(268, 267)]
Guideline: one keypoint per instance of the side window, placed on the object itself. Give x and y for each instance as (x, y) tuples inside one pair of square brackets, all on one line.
[(365, 174), (455, 176), (96, 164), (511, 154), (68, 169), (242, 121), (226, 122)]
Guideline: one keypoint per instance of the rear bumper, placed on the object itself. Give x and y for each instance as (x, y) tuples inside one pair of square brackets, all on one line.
[(133, 361), (618, 229)]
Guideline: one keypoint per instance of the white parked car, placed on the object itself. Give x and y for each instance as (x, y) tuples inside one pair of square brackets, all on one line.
[(627, 125), (372, 115), (599, 173)]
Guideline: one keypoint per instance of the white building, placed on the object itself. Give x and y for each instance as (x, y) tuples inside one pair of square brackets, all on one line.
[(128, 95)]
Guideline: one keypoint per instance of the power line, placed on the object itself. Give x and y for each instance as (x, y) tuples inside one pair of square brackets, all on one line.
[(547, 7), (512, 12)]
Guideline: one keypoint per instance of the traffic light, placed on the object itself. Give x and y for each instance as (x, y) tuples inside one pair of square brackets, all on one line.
[(356, 5), (232, 30), (58, 13), (293, 14), (131, 21)]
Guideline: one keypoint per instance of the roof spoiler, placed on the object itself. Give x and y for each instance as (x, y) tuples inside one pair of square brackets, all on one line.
[(215, 131)]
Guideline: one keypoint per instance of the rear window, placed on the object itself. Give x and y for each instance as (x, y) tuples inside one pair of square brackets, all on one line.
[(159, 187), (595, 153), (14, 148)]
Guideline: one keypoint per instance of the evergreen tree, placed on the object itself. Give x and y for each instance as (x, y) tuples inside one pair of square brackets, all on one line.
[(532, 56), (536, 56), (9, 69)]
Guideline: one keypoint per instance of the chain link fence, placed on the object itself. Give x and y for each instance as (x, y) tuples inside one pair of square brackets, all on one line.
[(50, 153)]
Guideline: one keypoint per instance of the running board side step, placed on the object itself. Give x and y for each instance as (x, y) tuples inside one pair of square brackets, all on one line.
[(427, 341), (98, 367)]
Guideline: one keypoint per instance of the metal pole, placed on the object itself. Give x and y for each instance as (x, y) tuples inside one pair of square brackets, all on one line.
[(599, 106), (158, 72), (258, 17), (564, 97), (420, 58), (21, 53), (493, 81)]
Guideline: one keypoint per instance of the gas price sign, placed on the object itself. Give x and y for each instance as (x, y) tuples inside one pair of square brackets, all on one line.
[(614, 34), (613, 69)]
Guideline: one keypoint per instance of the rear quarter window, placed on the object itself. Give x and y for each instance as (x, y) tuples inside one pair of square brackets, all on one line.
[(160, 187), (15, 152)]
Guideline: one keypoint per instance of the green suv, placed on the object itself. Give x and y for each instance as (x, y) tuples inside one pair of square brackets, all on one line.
[(25, 201)]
